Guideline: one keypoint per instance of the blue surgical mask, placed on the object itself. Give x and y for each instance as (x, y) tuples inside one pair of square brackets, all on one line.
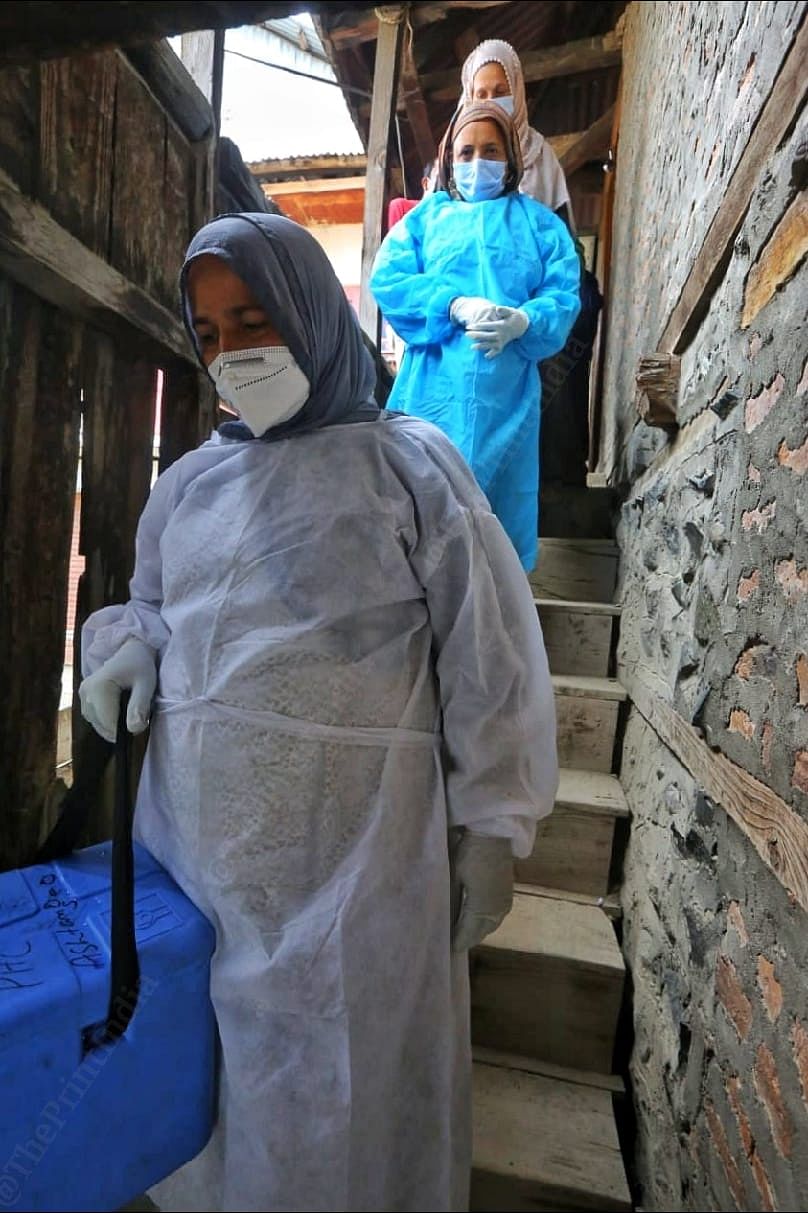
[(506, 103), (479, 180)]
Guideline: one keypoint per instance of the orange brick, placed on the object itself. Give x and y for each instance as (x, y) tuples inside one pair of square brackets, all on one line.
[(748, 585), (799, 1040), (735, 918), (799, 778), (758, 407), (734, 1092), (762, 1181), (796, 460), (733, 1086), (755, 659), (767, 1081), (770, 988), (759, 520), (731, 995), (719, 1138), (741, 722), (802, 386), (793, 581)]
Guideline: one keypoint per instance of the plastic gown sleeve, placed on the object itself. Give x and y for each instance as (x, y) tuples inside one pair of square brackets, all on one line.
[(414, 302), (553, 311), (106, 630), (496, 694)]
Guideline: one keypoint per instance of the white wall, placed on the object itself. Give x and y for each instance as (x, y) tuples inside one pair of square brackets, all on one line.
[(343, 244)]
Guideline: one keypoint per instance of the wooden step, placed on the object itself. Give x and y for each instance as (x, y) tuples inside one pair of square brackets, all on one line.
[(577, 635), (543, 1143), (580, 570), (573, 848), (586, 720), (548, 983), (610, 904)]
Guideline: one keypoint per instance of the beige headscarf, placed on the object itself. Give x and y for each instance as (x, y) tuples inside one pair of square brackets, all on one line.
[(480, 111), (543, 177)]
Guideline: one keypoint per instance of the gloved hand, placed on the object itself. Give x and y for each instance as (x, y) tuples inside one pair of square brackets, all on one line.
[(481, 874), (467, 310), (134, 668), (493, 335)]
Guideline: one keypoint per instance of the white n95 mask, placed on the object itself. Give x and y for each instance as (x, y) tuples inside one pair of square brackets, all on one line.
[(264, 385)]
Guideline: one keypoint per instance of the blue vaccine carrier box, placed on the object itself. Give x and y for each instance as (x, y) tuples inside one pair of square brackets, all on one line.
[(88, 1125)]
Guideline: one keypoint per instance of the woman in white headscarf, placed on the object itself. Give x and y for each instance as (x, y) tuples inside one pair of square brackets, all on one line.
[(493, 72)]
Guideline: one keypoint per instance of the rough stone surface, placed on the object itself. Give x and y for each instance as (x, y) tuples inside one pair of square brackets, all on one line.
[(714, 587)]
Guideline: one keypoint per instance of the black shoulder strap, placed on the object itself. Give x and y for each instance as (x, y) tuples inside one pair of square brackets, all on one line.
[(125, 969)]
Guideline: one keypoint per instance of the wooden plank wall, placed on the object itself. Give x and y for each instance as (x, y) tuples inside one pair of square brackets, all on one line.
[(86, 139)]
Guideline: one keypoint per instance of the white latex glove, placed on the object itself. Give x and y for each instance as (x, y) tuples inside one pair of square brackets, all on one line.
[(133, 668), (467, 310), (493, 335), (481, 874)]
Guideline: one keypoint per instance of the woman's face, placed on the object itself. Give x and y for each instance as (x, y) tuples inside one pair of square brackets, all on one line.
[(226, 315), (490, 81), (479, 141)]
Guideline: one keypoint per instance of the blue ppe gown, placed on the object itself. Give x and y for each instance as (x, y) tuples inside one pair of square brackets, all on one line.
[(511, 250)]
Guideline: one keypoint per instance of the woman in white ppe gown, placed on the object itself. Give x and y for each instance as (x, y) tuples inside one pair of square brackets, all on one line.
[(350, 665)]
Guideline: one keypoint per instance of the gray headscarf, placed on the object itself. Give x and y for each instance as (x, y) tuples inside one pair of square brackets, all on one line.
[(292, 279)]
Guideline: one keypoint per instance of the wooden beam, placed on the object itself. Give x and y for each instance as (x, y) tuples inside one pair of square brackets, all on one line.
[(657, 381), (357, 25), (593, 144), (300, 169), (776, 831), (37, 252), (603, 273), (413, 98), (466, 41), (782, 254), (583, 55), (175, 89), (562, 143), (775, 119), (202, 54), (40, 350), (48, 31), (325, 185), (384, 95)]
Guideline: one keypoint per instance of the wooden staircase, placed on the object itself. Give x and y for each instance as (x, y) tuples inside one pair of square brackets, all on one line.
[(548, 984)]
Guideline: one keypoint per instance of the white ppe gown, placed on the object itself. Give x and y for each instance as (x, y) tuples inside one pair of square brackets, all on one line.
[(349, 662)]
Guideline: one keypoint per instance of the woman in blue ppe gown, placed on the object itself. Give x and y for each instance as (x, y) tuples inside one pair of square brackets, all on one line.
[(481, 282), (348, 666)]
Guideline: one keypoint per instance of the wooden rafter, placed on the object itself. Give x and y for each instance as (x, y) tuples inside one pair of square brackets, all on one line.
[(305, 168), (49, 30), (590, 145), (358, 25), (584, 55), (409, 90), (43, 256), (385, 81)]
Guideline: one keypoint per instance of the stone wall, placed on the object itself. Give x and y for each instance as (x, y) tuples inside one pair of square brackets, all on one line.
[(714, 587)]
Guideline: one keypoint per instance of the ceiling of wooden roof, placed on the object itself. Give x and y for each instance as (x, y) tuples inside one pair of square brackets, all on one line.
[(568, 48)]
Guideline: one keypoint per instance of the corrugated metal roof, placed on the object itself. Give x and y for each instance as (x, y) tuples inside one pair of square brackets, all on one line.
[(300, 32)]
